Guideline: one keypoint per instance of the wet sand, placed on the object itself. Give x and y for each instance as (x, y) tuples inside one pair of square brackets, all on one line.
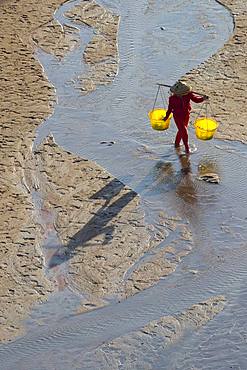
[(101, 53), (26, 99), (101, 229), (223, 77), (135, 349)]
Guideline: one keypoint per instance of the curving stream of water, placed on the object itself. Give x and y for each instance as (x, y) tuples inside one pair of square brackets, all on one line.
[(191, 31)]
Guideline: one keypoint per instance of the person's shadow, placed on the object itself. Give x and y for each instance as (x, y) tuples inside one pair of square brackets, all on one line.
[(98, 224)]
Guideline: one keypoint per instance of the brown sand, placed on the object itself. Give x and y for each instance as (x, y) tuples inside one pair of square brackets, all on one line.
[(101, 54), (55, 39), (101, 228), (26, 99), (224, 77)]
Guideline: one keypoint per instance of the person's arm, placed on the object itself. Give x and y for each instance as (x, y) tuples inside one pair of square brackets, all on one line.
[(169, 110), (197, 98)]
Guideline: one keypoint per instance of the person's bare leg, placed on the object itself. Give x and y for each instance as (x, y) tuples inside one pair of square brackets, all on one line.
[(178, 139), (185, 138)]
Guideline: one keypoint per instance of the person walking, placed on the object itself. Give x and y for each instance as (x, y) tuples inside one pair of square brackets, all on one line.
[(179, 105)]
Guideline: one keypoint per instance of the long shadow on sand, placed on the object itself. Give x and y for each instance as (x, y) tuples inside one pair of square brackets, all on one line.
[(97, 225)]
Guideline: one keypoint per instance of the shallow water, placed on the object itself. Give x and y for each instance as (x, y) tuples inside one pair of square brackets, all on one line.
[(215, 214)]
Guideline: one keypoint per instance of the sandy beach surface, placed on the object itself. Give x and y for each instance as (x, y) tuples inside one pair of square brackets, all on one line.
[(26, 99), (167, 330), (223, 78), (100, 244)]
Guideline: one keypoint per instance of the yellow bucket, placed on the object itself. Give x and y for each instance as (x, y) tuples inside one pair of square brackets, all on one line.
[(156, 120), (205, 128)]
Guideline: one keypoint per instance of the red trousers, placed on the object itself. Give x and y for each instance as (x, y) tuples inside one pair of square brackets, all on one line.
[(182, 134)]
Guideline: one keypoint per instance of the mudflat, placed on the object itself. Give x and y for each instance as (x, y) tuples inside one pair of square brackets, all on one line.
[(223, 77), (26, 99)]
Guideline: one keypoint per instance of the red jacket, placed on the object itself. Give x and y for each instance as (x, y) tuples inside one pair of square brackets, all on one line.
[(180, 105)]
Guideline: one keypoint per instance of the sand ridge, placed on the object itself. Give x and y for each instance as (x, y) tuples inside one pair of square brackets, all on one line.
[(142, 349), (101, 53), (56, 39)]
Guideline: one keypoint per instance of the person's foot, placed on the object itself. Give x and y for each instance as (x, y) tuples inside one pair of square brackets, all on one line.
[(178, 149)]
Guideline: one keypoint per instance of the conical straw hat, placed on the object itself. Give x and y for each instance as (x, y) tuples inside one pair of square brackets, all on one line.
[(180, 88)]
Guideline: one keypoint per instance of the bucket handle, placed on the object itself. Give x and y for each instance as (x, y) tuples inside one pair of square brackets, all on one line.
[(205, 105), (159, 91)]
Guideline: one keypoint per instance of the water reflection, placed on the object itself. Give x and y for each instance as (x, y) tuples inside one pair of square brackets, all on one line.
[(181, 181), (164, 173), (186, 188)]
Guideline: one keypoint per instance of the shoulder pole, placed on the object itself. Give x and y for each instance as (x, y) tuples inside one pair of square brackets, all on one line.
[(170, 86)]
